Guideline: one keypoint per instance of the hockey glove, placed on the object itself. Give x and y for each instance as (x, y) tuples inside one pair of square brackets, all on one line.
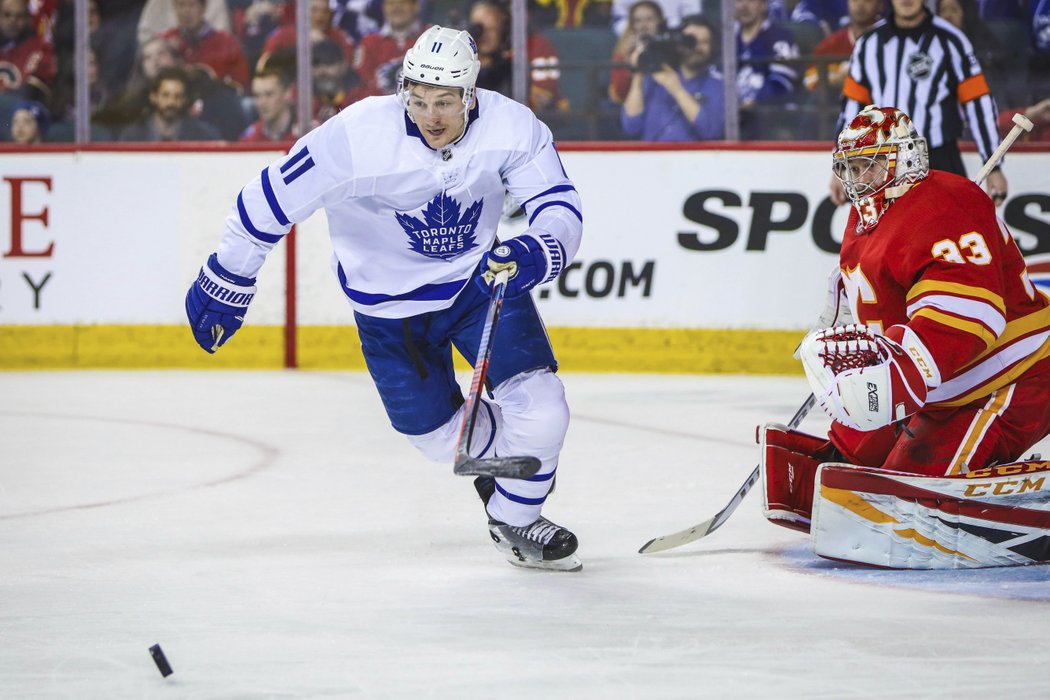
[(527, 261), (862, 379), (216, 304)]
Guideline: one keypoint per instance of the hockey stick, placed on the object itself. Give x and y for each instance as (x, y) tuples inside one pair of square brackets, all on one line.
[(507, 467), (660, 544), (1021, 125)]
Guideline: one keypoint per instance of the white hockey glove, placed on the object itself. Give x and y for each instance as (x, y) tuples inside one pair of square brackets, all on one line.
[(862, 379)]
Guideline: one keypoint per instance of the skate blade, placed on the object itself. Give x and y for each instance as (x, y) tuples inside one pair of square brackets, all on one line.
[(569, 563)]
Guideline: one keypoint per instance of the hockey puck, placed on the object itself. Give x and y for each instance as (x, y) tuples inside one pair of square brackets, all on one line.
[(162, 661)]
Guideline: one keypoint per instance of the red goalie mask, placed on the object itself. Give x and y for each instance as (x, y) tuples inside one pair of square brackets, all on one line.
[(879, 155)]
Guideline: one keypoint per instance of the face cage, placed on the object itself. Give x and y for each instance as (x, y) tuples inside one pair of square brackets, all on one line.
[(860, 186), (404, 84)]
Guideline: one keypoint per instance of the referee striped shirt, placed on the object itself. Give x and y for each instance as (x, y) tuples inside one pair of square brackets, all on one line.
[(931, 73)]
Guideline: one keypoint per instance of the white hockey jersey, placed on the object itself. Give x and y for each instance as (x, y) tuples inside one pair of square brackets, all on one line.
[(408, 223)]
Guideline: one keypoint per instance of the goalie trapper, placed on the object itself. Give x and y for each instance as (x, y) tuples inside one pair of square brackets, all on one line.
[(998, 516)]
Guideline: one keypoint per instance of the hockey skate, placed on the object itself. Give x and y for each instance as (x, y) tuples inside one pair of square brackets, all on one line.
[(540, 545)]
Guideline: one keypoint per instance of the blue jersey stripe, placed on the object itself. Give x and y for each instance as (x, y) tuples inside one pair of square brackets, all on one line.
[(543, 477), (556, 203), (249, 226), (271, 198), (293, 176), (295, 159), (520, 499), (428, 292), (553, 190)]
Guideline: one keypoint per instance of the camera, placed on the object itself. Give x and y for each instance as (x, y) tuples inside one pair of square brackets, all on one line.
[(663, 49)]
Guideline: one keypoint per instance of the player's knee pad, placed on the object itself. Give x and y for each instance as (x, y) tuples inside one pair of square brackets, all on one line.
[(440, 445), (535, 413), (789, 461)]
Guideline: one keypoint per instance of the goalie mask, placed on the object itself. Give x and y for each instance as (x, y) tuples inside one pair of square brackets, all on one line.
[(878, 157), (441, 57)]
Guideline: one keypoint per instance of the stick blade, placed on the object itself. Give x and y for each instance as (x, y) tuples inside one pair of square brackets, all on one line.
[(499, 467), (662, 544)]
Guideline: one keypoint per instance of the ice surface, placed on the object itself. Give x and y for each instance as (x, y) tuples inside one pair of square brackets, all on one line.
[(275, 536)]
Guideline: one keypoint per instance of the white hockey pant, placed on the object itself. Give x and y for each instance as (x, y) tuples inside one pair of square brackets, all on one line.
[(528, 417)]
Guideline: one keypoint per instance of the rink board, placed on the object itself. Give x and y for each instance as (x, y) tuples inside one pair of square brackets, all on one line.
[(698, 260)]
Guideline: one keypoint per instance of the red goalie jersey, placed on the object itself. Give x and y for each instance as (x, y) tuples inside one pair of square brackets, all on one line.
[(941, 262)]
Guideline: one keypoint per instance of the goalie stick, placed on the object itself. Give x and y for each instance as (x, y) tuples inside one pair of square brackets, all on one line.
[(505, 467), (660, 544), (1021, 124)]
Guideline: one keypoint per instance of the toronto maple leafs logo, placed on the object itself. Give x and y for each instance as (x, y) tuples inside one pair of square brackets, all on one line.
[(443, 234)]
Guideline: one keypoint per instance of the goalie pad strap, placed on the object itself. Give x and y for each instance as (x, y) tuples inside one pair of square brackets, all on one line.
[(999, 516)]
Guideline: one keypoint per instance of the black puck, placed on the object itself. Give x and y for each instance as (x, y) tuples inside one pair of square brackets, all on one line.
[(162, 661)]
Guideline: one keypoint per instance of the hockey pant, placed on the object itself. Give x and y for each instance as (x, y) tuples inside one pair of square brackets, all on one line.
[(940, 441), (527, 416)]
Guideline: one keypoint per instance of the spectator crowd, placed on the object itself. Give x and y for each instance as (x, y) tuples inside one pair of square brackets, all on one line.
[(172, 70)]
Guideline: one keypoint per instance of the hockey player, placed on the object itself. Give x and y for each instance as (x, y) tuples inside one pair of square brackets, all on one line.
[(413, 186), (939, 367)]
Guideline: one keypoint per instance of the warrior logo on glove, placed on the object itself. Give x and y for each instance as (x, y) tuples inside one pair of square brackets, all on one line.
[(216, 304)]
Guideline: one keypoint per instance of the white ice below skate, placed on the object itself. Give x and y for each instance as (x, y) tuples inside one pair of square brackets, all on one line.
[(569, 563)]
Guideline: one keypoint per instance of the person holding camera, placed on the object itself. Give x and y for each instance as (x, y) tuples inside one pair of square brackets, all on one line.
[(645, 19), (676, 94)]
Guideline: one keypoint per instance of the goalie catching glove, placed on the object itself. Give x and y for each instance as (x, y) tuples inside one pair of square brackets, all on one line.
[(532, 258), (216, 304), (862, 379)]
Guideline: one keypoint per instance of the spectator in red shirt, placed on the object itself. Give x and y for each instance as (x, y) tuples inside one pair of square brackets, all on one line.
[(863, 14), (274, 99), (200, 44), (378, 57), (27, 61), (255, 20), (335, 83), (644, 19), (490, 27), (320, 29)]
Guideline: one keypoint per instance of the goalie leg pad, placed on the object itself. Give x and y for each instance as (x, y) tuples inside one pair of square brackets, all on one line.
[(997, 516), (789, 462)]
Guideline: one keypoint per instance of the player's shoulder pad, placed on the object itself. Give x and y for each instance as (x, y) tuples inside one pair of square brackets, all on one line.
[(509, 120)]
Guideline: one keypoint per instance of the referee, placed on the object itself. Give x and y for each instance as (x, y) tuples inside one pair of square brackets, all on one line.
[(926, 67)]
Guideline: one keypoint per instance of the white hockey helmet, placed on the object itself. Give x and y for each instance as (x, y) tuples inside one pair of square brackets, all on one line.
[(878, 157), (442, 57)]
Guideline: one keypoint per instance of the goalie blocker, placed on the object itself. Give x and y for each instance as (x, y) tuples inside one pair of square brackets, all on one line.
[(997, 516)]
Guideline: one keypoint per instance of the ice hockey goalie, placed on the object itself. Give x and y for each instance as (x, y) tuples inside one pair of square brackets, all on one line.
[(936, 385)]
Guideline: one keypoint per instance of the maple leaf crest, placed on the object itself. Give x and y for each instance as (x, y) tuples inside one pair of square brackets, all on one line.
[(443, 233)]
